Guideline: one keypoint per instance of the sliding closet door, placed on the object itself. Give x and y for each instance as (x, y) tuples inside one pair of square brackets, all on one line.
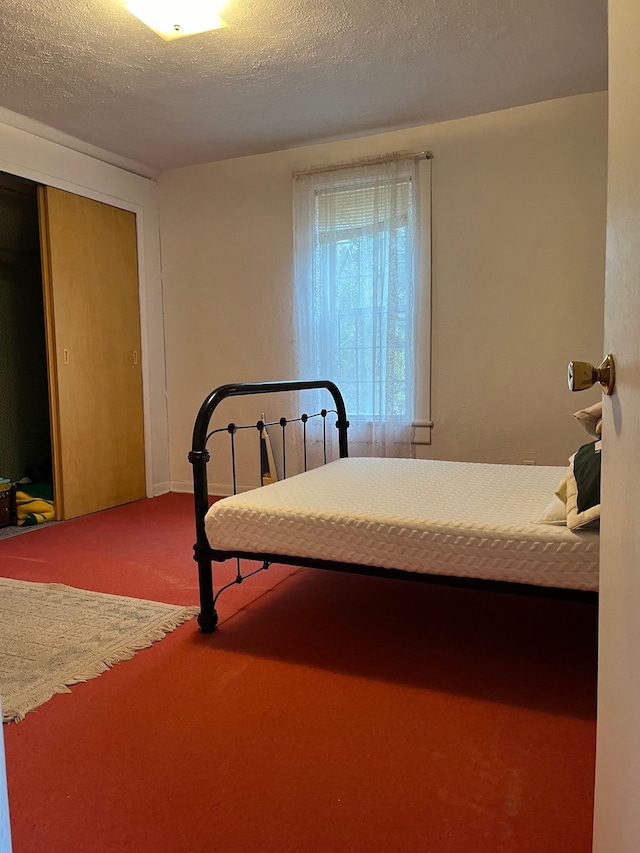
[(90, 276)]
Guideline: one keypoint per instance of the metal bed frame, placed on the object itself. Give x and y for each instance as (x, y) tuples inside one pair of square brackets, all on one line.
[(205, 554)]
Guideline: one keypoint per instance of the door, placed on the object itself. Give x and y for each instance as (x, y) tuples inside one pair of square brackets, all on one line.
[(5, 829), (617, 812), (90, 279)]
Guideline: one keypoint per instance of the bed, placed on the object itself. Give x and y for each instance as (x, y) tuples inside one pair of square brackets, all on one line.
[(462, 524)]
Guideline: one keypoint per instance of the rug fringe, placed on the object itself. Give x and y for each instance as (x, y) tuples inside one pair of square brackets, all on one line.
[(96, 668)]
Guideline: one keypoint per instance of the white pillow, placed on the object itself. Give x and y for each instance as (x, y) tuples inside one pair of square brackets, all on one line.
[(555, 513)]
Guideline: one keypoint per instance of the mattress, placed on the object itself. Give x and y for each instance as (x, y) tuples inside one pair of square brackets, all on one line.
[(451, 518)]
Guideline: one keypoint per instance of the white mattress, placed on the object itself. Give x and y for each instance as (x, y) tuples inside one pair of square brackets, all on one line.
[(450, 518)]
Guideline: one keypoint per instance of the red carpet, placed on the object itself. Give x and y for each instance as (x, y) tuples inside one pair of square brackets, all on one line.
[(329, 713)]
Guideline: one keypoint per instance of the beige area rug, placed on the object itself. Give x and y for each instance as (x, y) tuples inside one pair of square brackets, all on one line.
[(53, 635)]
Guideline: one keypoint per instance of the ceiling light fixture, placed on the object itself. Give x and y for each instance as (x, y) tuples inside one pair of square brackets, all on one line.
[(174, 19)]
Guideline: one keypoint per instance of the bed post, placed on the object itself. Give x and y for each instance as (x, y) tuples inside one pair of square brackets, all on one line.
[(342, 424), (208, 617)]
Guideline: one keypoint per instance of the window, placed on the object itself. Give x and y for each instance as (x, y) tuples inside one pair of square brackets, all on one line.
[(357, 274)]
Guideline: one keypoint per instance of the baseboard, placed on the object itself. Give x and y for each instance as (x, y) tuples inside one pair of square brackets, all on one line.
[(161, 488), (213, 489), (183, 487)]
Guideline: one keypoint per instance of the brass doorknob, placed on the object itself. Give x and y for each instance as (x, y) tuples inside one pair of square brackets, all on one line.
[(582, 375)]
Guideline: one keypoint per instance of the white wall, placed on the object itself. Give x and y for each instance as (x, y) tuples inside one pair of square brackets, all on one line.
[(519, 215), (30, 156)]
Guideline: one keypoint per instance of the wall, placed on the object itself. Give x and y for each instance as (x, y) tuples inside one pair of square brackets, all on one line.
[(29, 155), (519, 207)]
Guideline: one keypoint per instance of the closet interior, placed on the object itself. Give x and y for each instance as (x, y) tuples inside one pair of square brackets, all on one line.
[(25, 427)]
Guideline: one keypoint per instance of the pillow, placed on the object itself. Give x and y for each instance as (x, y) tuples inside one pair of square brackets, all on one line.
[(555, 513), (591, 419), (561, 491), (583, 487)]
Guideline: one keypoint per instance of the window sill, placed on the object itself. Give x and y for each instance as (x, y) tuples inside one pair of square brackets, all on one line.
[(421, 432)]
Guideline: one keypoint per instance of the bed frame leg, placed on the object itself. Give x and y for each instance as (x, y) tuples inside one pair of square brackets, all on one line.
[(208, 616), (208, 624)]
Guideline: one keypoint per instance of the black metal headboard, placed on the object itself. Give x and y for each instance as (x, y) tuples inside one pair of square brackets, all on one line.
[(199, 455)]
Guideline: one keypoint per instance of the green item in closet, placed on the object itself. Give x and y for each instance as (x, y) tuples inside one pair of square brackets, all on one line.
[(37, 490), (34, 503)]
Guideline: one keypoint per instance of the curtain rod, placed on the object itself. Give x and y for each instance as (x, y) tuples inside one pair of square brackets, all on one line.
[(365, 161)]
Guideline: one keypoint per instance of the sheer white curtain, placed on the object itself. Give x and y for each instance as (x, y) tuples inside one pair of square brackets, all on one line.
[(355, 236)]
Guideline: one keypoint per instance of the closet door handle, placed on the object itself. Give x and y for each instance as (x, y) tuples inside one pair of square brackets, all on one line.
[(65, 356), (135, 356)]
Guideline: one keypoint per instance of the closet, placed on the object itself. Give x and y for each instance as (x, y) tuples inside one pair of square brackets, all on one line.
[(25, 444), (88, 350)]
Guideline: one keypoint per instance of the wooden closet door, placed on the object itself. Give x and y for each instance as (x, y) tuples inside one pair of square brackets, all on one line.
[(90, 279)]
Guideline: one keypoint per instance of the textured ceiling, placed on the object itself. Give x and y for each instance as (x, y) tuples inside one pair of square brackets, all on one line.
[(289, 72)]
